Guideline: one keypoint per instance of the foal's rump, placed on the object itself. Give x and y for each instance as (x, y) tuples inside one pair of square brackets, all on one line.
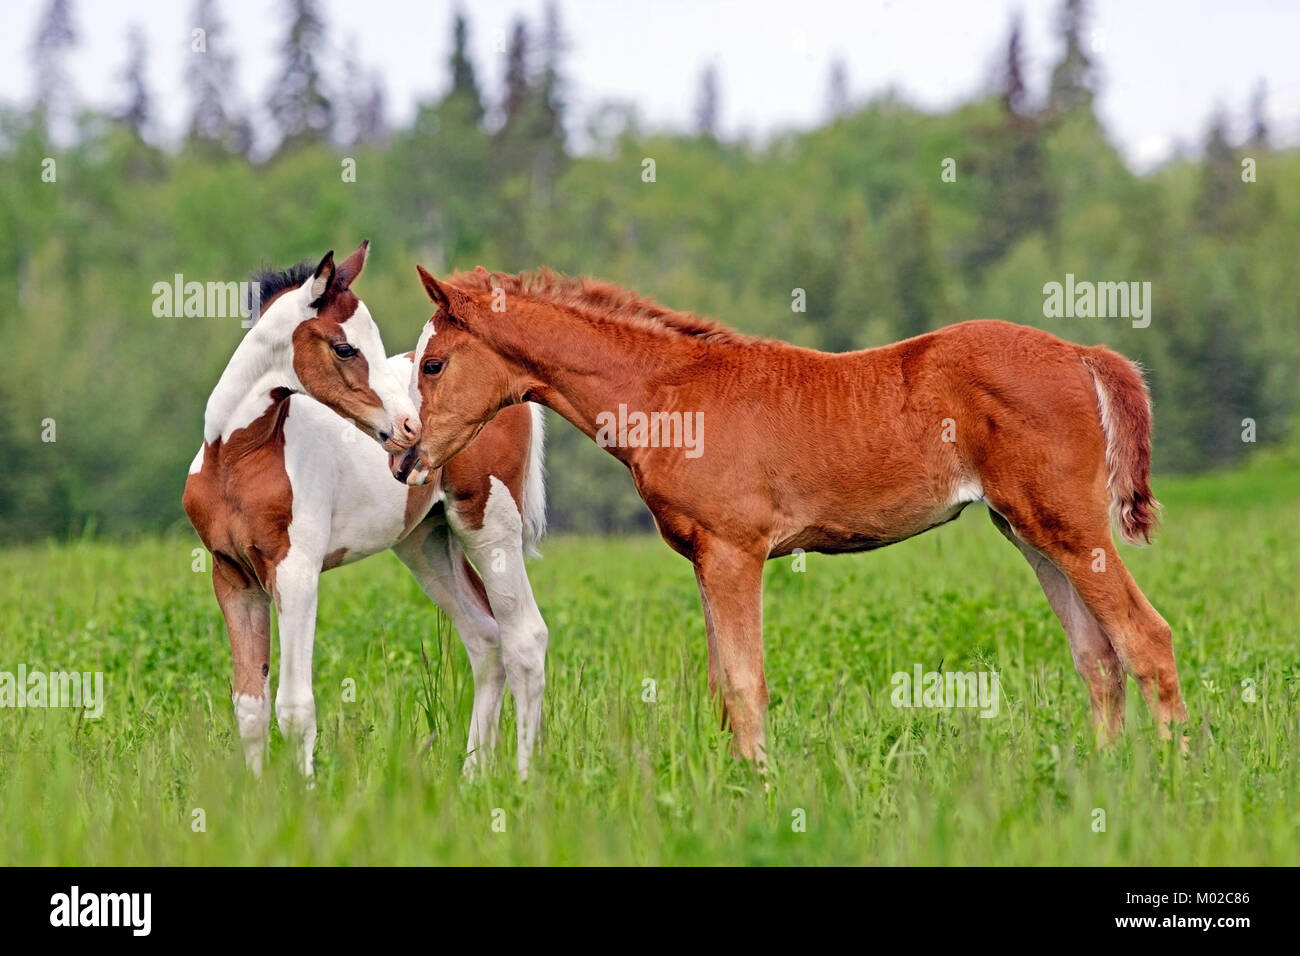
[(1067, 423)]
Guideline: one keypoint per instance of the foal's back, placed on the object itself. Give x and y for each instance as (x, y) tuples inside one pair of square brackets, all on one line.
[(852, 451)]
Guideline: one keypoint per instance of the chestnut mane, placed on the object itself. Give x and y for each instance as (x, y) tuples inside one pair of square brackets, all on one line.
[(596, 300)]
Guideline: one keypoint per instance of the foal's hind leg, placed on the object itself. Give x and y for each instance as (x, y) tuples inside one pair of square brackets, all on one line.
[(247, 610), (1075, 536), (1094, 655), (438, 563)]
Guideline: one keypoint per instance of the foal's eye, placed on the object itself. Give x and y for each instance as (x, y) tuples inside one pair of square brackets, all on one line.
[(432, 366), (343, 350)]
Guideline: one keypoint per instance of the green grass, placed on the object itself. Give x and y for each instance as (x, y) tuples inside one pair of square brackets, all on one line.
[(623, 781)]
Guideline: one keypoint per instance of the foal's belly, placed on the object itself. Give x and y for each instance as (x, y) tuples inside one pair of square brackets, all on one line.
[(835, 535)]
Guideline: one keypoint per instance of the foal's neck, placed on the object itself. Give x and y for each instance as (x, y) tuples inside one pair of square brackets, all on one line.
[(582, 367), (258, 365)]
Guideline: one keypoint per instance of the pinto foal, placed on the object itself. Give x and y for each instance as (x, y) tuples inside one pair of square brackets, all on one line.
[(832, 453), (282, 490)]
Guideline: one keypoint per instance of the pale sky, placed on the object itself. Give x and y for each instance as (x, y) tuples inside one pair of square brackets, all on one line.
[(1166, 64)]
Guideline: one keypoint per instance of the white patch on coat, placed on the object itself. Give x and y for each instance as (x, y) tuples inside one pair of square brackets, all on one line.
[(495, 548), (361, 332), (253, 718), (414, 378), (535, 482), (262, 361), (968, 490)]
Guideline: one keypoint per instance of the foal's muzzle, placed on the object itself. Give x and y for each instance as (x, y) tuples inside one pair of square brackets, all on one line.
[(410, 467), (405, 434)]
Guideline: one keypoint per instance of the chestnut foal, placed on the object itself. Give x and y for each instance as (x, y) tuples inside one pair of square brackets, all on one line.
[(282, 490), (799, 449)]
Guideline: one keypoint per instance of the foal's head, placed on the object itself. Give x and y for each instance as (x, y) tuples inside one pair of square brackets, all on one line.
[(333, 350), (458, 382)]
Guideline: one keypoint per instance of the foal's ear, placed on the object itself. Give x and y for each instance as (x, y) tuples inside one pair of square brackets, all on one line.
[(449, 299), (433, 289), (351, 267), (322, 279)]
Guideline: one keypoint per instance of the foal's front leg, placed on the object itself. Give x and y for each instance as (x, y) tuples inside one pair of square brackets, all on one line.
[(297, 580), (247, 611), (497, 550), (731, 589)]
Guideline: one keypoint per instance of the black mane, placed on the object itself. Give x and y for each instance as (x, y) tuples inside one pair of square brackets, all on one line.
[(270, 281)]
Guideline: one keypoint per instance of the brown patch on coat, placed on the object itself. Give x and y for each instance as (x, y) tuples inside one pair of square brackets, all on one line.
[(240, 501), (419, 499), (341, 384), (334, 559), (501, 451)]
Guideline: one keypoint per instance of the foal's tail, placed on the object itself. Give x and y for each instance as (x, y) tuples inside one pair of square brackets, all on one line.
[(1125, 408), (535, 483)]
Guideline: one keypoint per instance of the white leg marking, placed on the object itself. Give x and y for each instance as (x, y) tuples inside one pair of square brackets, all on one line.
[(253, 716), (497, 551), (296, 583)]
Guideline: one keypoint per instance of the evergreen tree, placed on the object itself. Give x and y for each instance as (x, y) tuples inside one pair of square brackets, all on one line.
[(137, 113), (464, 86), (547, 119), (706, 104), (863, 308), (1013, 74), (298, 104), (1073, 78), (1220, 180), (837, 89), (371, 121), (517, 85), (550, 88), (911, 258), (1258, 119), (1017, 195), (216, 126), (55, 37), (362, 120)]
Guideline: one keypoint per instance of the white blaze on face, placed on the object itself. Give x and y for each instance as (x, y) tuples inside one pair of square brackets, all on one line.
[(363, 335), (426, 334)]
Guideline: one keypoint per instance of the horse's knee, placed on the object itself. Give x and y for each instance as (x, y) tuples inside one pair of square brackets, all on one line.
[(296, 716), (524, 652), (1099, 665)]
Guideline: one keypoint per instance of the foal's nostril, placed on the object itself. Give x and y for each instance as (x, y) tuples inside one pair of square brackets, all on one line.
[(407, 427), (384, 436)]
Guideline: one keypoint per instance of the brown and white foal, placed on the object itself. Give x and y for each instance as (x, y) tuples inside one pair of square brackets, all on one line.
[(799, 449), (282, 490)]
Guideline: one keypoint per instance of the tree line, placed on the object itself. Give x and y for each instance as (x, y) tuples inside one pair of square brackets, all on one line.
[(883, 222)]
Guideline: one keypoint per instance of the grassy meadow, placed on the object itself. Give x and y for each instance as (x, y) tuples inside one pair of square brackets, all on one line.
[(623, 780)]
